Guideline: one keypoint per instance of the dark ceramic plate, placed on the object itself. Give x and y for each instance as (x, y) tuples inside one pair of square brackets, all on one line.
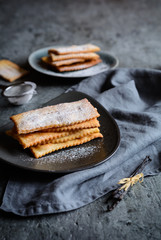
[(108, 62), (71, 159)]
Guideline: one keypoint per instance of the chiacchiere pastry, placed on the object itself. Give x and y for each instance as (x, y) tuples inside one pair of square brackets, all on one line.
[(37, 138), (34, 138), (54, 116), (85, 56), (92, 123), (79, 66), (11, 71), (65, 62), (75, 49), (52, 128), (41, 150), (71, 64), (72, 58)]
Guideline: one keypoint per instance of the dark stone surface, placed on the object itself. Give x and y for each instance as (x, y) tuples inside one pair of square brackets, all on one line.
[(131, 31)]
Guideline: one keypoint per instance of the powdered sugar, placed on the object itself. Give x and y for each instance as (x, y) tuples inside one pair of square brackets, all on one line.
[(76, 49), (68, 155), (57, 115), (71, 154)]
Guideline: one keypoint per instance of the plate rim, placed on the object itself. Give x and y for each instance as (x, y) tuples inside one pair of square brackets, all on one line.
[(60, 75), (28, 168)]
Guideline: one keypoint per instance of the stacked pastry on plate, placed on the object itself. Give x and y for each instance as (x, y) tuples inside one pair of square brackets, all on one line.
[(51, 128), (72, 58)]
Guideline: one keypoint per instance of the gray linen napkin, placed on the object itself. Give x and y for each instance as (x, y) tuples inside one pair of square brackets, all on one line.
[(133, 98)]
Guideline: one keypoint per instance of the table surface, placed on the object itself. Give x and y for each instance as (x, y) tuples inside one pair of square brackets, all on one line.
[(129, 30)]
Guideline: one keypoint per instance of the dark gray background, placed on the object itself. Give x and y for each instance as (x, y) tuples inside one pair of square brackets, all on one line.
[(131, 31)]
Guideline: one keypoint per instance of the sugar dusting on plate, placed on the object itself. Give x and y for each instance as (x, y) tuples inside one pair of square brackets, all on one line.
[(67, 155)]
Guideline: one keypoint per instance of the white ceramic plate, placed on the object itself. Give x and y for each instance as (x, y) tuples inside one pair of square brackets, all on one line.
[(108, 62)]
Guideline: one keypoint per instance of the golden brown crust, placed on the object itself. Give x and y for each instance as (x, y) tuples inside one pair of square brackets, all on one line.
[(33, 139), (92, 123), (11, 71), (86, 56), (79, 66), (39, 138), (75, 135), (75, 49), (42, 150), (66, 62), (47, 60), (63, 114)]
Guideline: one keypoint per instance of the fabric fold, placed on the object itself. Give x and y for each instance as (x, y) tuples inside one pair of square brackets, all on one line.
[(133, 98)]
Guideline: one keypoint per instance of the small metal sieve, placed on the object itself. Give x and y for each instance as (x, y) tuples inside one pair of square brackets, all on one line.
[(19, 93)]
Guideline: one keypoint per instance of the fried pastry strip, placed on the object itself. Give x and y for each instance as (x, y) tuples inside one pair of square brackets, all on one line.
[(33, 139), (75, 134), (85, 56), (66, 62), (38, 138), (75, 49), (41, 150), (79, 66), (92, 123), (54, 116), (11, 71)]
